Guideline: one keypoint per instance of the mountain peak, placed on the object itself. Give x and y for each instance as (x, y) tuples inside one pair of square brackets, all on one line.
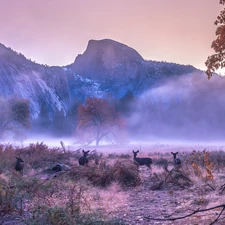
[(103, 55), (111, 49), (113, 44)]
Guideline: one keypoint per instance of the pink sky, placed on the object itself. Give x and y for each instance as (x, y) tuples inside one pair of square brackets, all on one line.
[(54, 32)]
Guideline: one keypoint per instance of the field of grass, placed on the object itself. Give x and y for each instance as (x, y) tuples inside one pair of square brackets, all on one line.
[(112, 189)]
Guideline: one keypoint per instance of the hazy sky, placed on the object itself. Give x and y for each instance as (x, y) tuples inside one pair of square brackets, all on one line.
[(54, 32)]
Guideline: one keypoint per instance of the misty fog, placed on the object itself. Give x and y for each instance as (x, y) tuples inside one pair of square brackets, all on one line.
[(189, 108), (186, 109)]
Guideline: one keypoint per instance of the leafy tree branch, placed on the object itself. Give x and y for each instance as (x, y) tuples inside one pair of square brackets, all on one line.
[(217, 60)]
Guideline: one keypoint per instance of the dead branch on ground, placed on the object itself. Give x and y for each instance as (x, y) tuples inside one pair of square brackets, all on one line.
[(148, 218), (222, 188)]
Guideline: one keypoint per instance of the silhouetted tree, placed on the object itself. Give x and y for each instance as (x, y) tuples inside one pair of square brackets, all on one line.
[(97, 119), (217, 60), (14, 116)]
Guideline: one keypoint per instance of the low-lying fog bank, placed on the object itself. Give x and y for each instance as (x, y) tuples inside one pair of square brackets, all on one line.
[(157, 146)]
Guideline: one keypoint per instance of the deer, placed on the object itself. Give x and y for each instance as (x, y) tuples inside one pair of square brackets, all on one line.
[(83, 160), (19, 165), (142, 161), (176, 161)]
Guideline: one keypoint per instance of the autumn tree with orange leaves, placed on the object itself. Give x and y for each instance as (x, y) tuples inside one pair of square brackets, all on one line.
[(217, 60), (98, 120)]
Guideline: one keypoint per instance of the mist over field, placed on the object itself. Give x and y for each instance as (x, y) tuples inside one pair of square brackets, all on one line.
[(189, 108), (183, 110)]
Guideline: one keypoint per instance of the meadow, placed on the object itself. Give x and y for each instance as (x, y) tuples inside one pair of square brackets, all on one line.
[(112, 189)]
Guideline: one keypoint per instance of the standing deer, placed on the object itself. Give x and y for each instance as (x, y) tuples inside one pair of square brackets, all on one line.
[(142, 161), (83, 160), (176, 160), (19, 165)]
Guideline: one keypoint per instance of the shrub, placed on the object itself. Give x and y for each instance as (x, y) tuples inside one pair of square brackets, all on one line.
[(126, 173), (8, 200), (202, 164)]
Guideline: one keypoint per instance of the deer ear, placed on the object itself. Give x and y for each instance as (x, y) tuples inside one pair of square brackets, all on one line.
[(133, 151), (172, 153), (176, 153), (137, 151), (83, 150)]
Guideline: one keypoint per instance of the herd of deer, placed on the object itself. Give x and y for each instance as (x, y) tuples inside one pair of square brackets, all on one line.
[(84, 161)]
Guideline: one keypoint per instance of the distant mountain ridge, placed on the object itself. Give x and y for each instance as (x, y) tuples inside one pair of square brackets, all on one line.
[(107, 59), (117, 68)]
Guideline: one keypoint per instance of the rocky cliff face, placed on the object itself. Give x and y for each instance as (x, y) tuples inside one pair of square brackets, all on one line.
[(45, 87)]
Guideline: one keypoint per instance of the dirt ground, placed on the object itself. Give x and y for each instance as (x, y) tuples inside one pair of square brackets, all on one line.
[(170, 201)]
